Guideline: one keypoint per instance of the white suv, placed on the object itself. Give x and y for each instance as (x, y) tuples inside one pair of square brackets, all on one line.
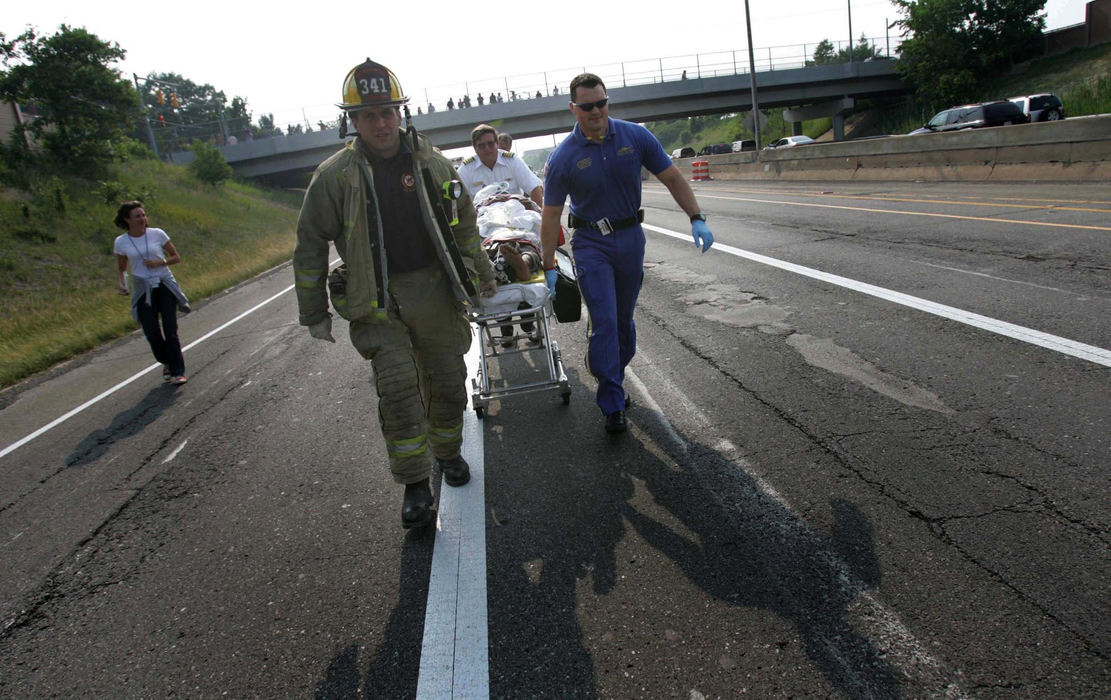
[(789, 142)]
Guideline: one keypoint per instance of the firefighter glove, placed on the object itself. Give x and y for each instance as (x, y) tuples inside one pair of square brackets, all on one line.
[(702, 236), (322, 330)]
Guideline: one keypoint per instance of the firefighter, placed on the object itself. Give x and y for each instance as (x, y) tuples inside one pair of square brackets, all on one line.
[(412, 259)]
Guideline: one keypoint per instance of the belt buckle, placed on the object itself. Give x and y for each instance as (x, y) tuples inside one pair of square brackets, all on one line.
[(604, 226)]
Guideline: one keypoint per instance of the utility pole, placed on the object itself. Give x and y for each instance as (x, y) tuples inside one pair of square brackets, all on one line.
[(752, 83), (146, 118), (850, 2)]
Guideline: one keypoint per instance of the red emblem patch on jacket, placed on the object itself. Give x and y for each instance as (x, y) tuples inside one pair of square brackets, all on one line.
[(408, 182)]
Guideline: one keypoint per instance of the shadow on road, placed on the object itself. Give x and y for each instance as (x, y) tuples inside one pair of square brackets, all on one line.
[(561, 527), (395, 664), (126, 424)]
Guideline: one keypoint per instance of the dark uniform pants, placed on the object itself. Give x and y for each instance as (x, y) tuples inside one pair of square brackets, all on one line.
[(610, 271), (419, 372)]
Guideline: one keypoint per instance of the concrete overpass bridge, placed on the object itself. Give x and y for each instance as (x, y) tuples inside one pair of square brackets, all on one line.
[(814, 91)]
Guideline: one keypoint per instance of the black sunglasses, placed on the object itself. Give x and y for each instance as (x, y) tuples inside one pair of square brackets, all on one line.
[(589, 106)]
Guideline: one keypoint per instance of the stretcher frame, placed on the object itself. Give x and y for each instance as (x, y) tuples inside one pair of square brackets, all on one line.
[(539, 341)]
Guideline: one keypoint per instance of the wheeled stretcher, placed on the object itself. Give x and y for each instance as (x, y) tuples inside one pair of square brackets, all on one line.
[(526, 309)]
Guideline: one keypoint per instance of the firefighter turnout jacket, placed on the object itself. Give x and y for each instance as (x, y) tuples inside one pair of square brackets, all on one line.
[(335, 211)]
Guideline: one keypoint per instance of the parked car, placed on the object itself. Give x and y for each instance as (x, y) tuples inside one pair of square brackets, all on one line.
[(716, 149), (1043, 107), (684, 152), (1001, 113), (745, 145), (789, 142)]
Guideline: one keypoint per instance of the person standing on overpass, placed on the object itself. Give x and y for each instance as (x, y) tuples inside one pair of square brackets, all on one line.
[(598, 167), (494, 165)]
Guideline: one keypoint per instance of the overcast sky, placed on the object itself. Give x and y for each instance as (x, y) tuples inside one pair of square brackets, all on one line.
[(292, 62)]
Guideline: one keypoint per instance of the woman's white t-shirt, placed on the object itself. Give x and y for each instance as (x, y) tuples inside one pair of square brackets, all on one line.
[(149, 246)]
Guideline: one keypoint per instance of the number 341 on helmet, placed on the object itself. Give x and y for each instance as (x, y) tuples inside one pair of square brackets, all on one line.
[(371, 84)]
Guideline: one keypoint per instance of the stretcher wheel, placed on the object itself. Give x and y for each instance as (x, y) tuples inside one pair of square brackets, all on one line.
[(479, 411), (566, 398)]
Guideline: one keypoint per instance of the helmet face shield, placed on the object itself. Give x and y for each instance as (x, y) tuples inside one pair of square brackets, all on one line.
[(371, 84)]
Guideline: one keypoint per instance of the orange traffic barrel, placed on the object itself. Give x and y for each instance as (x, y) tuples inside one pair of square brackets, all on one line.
[(700, 170)]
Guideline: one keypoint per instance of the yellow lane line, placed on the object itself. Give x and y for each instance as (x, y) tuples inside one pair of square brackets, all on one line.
[(893, 198), (909, 213)]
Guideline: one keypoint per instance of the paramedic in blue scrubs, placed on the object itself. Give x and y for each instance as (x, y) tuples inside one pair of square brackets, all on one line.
[(598, 167)]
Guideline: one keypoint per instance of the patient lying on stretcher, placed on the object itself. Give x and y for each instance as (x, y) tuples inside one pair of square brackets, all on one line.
[(514, 260), (509, 225)]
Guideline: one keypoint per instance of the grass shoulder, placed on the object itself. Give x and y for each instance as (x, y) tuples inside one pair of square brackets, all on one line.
[(58, 271)]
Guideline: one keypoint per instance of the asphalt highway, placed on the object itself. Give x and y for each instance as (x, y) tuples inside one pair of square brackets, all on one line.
[(868, 456)]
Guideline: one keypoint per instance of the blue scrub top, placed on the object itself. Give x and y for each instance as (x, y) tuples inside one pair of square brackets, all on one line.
[(603, 178)]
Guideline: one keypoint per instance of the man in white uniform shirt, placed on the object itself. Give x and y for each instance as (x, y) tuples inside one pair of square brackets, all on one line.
[(493, 165)]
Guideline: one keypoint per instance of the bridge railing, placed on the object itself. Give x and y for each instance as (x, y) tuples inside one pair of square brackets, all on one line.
[(544, 84), (637, 72)]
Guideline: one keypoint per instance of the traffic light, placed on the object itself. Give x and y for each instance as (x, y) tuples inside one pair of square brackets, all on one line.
[(161, 121), (159, 97), (174, 101)]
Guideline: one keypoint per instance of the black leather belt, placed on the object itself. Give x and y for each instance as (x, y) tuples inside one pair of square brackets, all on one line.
[(606, 226)]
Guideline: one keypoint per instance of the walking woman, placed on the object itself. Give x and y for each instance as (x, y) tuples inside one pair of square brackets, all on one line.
[(154, 291)]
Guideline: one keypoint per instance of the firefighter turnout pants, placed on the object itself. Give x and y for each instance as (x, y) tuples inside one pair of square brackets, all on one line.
[(419, 372)]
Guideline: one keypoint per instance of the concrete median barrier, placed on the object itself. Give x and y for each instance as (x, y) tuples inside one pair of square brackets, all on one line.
[(1077, 149)]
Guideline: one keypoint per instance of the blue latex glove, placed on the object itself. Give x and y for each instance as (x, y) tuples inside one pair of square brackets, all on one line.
[(702, 235), (550, 277)]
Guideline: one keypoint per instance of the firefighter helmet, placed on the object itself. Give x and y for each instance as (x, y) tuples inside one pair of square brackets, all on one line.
[(371, 84)]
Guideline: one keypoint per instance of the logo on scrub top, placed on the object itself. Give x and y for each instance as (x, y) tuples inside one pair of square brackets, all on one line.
[(584, 163), (625, 150), (408, 182)]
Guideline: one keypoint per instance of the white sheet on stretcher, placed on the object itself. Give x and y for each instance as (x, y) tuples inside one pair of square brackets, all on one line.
[(509, 297)]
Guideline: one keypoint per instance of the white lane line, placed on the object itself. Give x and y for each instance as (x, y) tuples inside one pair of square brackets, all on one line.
[(1065, 346), (100, 397), (990, 277), (454, 658), (882, 625), (173, 454)]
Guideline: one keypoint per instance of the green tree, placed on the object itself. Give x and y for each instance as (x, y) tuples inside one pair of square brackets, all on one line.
[(952, 45), (83, 107), (198, 113), (208, 164), (266, 128), (862, 50), (237, 118), (1006, 32), (824, 54)]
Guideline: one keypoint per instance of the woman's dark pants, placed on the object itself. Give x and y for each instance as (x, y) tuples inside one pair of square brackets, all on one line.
[(162, 337)]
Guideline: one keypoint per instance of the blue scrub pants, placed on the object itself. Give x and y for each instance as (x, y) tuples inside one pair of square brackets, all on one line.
[(610, 271)]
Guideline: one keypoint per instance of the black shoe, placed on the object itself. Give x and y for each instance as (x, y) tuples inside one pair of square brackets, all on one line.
[(628, 401), (615, 422), (416, 507), (456, 471)]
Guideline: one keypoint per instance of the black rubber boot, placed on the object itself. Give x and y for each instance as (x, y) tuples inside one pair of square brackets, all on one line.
[(456, 471), (416, 507), (615, 422)]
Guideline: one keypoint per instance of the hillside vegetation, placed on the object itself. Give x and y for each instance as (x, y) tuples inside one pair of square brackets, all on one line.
[(58, 272)]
